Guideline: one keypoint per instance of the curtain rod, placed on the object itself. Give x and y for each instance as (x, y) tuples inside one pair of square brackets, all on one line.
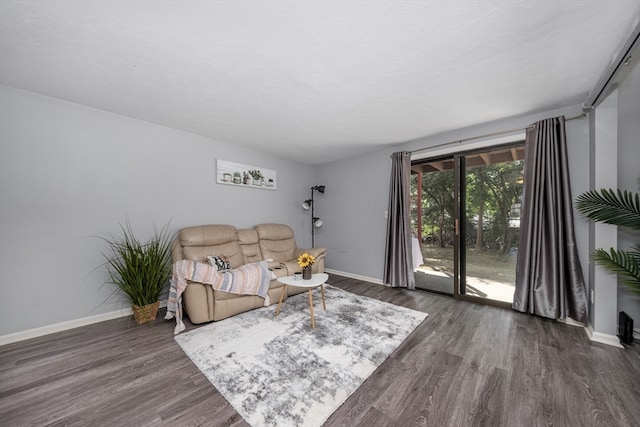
[(613, 75), (460, 141)]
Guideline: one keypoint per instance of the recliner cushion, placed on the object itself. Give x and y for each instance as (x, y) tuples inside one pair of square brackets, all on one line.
[(276, 241), (274, 231), (207, 235), (248, 239), (211, 240)]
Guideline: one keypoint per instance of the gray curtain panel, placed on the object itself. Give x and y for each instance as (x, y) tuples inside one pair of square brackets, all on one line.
[(398, 265), (549, 281)]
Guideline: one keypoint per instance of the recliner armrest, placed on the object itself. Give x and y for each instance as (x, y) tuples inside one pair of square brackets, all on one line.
[(291, 266), (271, 264), (317, 253)]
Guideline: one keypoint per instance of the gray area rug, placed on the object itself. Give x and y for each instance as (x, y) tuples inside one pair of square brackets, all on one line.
[(277, 371)]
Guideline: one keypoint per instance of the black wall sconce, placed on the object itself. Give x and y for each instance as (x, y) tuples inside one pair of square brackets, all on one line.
[(309, 204)]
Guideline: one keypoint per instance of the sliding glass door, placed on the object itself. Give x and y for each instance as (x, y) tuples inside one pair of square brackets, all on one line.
[(466, 222), (490, 196), (433, 214)]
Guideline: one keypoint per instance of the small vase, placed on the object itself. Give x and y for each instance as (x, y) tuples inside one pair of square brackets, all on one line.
[(306, 273)]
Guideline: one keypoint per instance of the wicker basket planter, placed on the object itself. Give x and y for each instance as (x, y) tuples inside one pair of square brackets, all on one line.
[(139, 270), (146, 313)]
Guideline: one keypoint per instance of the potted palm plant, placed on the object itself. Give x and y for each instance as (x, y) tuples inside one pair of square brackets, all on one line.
[(620, 208), (140, 270)]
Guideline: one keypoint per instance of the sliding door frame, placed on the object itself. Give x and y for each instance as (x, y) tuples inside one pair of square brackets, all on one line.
[(460, 223), (458, 256), (461, 226)]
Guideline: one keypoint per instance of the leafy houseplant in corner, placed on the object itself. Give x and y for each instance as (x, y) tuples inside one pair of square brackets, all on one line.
[(140, 270), (306, 261), (620, 208)]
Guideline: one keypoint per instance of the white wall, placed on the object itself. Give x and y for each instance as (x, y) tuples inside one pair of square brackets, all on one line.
[(614, 164), (69, 173), (358, 190), (629, 171), (603, 165), (353, 213)]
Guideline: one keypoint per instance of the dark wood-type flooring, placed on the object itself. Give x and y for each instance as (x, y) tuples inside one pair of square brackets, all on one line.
[(465, 365)]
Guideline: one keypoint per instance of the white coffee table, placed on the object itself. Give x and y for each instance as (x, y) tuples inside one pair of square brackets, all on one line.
[(316, 280)]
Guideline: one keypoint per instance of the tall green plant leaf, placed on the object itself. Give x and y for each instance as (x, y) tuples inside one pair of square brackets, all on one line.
[(611, 207), (618, 208), (139, 270), (626, 264)]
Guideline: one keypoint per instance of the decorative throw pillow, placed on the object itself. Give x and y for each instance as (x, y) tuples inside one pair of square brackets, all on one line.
[(219, 262)]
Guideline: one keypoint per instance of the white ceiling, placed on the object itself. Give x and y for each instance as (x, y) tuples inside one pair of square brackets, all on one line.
[(313, 81)]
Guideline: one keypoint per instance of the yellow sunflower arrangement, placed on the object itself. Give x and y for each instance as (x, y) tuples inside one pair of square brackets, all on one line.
[(306, 261)]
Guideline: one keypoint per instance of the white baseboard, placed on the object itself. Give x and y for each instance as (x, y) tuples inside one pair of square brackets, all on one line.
[(571, 322), (602, 338), (355, 276), (63, 326)]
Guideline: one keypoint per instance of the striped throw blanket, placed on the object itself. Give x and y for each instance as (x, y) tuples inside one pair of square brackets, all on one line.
[(249, 279)]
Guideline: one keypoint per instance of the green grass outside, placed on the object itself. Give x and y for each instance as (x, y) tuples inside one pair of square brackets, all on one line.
[(487, 264)]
